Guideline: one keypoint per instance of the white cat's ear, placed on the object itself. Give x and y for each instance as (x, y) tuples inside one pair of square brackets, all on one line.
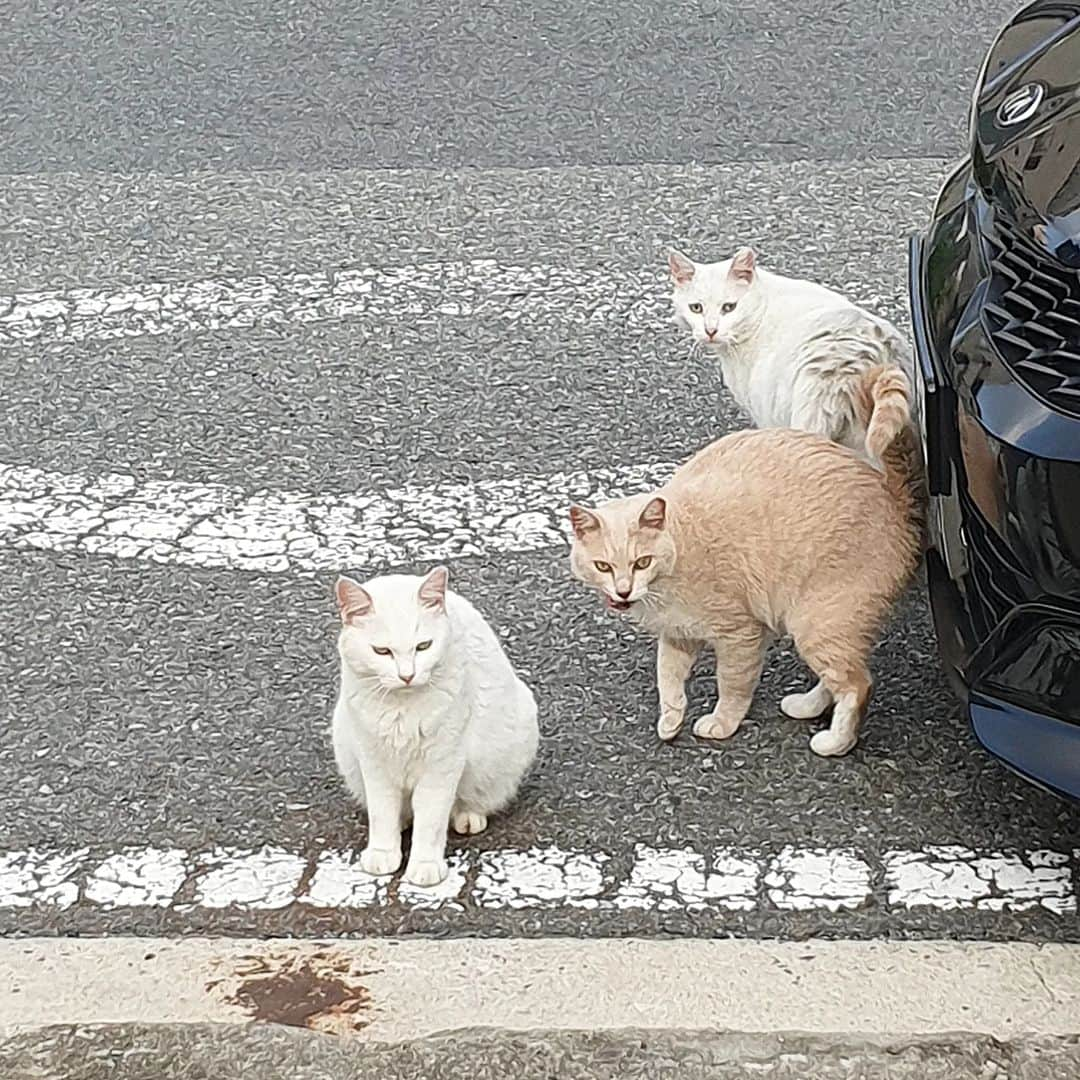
[(433, 588), (681, 267), (654, 515), (583, 521), (354, 601), (742, 265)]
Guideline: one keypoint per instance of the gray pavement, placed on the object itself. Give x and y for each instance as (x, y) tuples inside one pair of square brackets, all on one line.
[(203, 1052), (150, 704), (204, 86)]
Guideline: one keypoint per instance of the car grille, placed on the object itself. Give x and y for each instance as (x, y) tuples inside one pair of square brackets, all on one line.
[(996, 582), (1033, 316)]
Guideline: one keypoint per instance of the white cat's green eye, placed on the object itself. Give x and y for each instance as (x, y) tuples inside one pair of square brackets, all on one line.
[(643, 563), (697, 309), (603, 567), (726, 309), (422, 645), (380, 650)]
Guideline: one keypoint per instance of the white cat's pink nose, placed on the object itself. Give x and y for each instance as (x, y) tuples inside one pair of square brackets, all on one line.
[(406, 679), (711, 333)]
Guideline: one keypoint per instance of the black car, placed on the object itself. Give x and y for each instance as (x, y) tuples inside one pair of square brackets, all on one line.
[(995, 296)]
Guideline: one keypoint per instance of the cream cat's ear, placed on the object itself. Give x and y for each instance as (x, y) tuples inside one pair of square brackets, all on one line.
[(681, 267), (433, 588), (583, 521), (742, 264), (654, 515), (354, 601)]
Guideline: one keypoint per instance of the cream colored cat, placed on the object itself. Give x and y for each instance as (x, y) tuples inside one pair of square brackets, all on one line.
[(732, 552)]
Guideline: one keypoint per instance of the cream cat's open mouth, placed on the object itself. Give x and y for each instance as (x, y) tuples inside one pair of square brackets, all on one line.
[(618, 605)]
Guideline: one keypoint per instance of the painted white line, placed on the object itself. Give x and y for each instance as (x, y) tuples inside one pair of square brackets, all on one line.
[(541, 877), (950, 878), (481, 287), (818, 878), (668, 880), (214, 525), (147, 878), (40, 877), (340, 883), (258, 880), (658, 879)]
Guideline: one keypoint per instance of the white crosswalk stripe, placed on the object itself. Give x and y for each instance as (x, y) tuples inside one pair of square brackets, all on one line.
[(481, 287), (215, 525), (661, 879)]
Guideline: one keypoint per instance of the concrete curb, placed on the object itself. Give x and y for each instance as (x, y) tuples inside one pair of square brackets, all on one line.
[(389, 990), (266, 1052)]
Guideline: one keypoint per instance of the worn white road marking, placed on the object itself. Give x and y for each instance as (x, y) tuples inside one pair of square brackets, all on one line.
[(40, 877), (658, 879), (146, 878), (478, 287), (339, 882), (950, 877), (541, 877), (803, 880), (214, 525), (671, 879), (263, 879)]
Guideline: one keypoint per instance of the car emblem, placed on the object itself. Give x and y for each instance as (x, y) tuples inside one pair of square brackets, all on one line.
[(1020, 105)]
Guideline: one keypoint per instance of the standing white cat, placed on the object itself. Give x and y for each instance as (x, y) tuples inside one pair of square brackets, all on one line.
[(432, 725), (795, 354)]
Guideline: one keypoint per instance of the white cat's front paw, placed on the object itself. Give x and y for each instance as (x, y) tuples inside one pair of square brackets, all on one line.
[(828, 743), (380, 862), (669, 725), (469, 823), (711, 726), (426, 872)]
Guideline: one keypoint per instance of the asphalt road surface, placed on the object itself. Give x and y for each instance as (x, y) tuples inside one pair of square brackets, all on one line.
[(285, 291)]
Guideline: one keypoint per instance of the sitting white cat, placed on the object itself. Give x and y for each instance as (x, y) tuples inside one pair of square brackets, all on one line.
[(795, 354), (432, 725)]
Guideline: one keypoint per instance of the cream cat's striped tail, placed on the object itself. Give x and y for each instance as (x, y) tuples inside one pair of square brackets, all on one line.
[(885, 404)]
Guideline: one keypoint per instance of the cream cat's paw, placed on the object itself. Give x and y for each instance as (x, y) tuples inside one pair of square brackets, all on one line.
[(426, 872), (668, 726), (829, 743), (808, 706), (711, 726), (469, 823), (380, 862)]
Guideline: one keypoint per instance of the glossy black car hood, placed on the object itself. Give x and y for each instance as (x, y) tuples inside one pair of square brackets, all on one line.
[(1026, 127)]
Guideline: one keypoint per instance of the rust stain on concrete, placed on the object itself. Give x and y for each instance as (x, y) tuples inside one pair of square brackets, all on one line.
[(319, 990)]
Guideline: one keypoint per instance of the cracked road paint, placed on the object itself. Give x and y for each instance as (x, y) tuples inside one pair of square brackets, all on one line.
[(672, 879), (543, 877), (214, 525), (660, 879), (801, 880), (261, 880), (146, 878), (40, 877), (338, 881), (951, 878), (481, 287)]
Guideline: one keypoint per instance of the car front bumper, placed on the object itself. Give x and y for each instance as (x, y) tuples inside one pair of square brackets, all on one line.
[(1007, 623)]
